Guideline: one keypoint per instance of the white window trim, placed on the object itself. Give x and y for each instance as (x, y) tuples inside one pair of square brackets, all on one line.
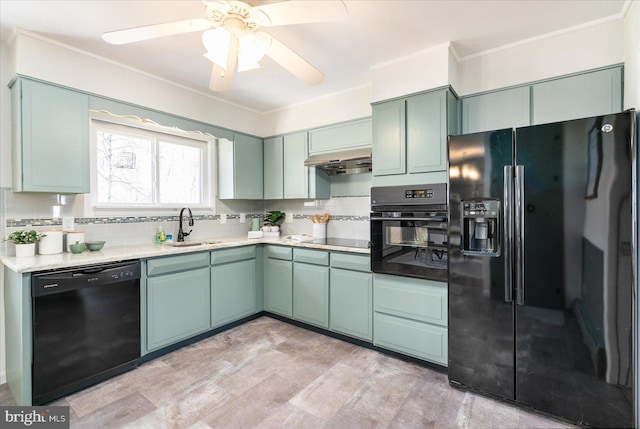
[(108, 120)]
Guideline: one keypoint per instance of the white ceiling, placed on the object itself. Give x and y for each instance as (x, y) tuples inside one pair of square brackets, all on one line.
[(375, 32)]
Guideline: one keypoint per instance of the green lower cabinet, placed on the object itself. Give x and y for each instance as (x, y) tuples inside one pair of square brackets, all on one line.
[(233, 291), (278, 286), (311, 294), (410, 317), (177, 307), (351, 303), (417, 339)]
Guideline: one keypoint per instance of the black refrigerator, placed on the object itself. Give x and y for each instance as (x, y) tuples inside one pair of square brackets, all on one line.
[(541, 267)]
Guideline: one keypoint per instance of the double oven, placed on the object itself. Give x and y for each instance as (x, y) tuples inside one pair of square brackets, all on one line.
[(409, 232)]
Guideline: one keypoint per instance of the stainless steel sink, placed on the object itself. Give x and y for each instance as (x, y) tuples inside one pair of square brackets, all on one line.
[(185, 243), (211, 241), (189, 243)]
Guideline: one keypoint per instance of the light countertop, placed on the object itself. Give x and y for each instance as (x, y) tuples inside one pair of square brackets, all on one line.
[(151, 250)]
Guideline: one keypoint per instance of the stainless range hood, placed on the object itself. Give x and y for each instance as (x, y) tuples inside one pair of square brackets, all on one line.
[(343, 162)]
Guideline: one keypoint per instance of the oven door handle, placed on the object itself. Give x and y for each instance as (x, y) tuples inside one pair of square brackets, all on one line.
[(433, 219)]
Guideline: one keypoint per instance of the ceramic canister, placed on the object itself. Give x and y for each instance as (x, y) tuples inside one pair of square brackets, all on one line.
[(73, 237), (51, 244)]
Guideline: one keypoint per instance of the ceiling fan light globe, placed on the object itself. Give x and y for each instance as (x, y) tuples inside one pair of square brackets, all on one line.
[(251, 49), (216, 43), (217, 58)]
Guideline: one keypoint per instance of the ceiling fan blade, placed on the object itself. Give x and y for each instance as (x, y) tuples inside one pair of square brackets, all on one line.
[(294, 63), (302, 11), (221, 78), (138, 34)]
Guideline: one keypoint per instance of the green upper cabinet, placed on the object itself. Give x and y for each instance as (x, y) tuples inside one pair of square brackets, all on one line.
[(389, 138), (285, 175), (410, 138), (588, 94), (240, 168), (50, 138), (496, 110), (427, 132), (295, 174), (273, 168), (345, 136)]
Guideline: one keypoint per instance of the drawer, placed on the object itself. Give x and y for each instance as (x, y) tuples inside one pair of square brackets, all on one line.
[(417, 339), (279, 252), (232, 255), (170, 264), (350, 261), (316, 257), (421, 300)]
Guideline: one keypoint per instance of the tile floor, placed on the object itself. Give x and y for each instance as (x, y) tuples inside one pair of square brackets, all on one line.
[(270, 374)]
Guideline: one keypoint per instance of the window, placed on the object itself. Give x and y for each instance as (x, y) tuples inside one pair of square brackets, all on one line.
[(138, 167)]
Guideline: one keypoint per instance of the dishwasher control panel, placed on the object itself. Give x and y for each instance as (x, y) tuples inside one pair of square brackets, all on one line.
[(57, 281)]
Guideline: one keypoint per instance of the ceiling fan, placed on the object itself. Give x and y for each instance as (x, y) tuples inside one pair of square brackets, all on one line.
[(232, 40)]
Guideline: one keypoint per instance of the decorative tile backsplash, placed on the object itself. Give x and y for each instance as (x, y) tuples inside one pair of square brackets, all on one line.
[(349, 218), (54, 222)]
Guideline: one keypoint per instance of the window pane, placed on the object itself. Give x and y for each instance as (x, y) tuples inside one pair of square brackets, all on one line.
[(180, 174), (125, 168)]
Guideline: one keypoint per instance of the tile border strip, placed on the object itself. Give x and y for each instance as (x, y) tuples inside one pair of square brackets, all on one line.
[(102, 220)]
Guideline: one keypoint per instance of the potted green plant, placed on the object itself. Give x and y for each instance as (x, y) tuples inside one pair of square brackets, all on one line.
[(25, 241), (271, 223)]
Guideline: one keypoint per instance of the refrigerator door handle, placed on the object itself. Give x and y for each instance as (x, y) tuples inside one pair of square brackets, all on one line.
[(508, 233), (519, 230)]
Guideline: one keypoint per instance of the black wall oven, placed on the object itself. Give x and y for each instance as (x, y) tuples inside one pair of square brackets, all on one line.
[(409, 233)]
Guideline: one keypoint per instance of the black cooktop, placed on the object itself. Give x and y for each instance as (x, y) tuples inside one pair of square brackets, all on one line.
[(343, 242)]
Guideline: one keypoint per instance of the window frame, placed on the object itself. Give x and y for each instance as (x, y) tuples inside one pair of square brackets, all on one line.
[(147, 128)]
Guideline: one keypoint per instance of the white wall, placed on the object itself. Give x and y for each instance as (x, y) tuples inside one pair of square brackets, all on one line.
[(542, 58), (56, 63), (348, 105)]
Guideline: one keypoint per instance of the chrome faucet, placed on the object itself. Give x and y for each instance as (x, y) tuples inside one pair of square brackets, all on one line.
[(181, 233)]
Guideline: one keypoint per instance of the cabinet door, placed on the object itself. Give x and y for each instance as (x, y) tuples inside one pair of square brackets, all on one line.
[(248, 167), (349, 135), (584, 95), (177, 307), (508, 108), (427, 132), (52, 151), (233, 291), (389, 138), (311, 294), (350, 303), (296, 175), (421, 340), (273, 169), (278, 286), (417, 299)]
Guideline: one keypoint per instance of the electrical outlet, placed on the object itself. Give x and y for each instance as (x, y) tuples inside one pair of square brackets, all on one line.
[(223, 218), (289, 218), (243, 218), (68, 223)]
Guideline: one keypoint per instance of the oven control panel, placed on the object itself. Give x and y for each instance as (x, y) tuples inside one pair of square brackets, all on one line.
[(418, 193), (433, 194)]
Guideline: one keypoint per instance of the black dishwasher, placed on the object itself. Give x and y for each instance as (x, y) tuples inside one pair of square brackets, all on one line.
[(86, 327)]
